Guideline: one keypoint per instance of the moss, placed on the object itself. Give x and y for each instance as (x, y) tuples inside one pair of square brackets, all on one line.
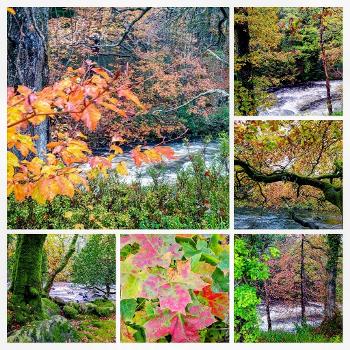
[(94, 330), (90, 308), (104, 303), (74, 305), (104, 311), (70, 312), (54, 330), (50, 308)]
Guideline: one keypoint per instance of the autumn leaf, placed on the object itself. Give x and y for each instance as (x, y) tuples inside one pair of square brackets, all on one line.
[(91, 116), (182, 328), (11, 10), (122, 169), (131, 97)]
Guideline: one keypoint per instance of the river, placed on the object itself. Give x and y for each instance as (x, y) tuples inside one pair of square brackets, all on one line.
[(67, 291), (171, 166), (305, 99), (264, 218), (285, 317)]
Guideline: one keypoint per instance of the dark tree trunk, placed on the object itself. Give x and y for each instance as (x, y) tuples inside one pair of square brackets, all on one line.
[(267, 303), (63, 263), (27, 60), (245, 73), (302, 280), (325, 62), (27, 283), (333, 252)]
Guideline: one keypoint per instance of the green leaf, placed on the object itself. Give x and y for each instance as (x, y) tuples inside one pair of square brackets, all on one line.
[(127, 309), (220, 281)]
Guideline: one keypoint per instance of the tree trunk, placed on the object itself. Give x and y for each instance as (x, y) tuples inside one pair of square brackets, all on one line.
[(325, 62), (27, 284), (245, 73), (333, 250), (27, 60), (302, 280), (267, 302), (63, 263)]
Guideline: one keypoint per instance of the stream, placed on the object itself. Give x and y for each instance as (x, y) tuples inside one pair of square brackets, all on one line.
[(67, 291), (264, 218), (285, 318), (171, 166), (305, 99)]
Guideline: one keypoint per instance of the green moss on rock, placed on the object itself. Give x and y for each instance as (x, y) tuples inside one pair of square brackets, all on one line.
[(50, 308), (57, 329), (70, 312)]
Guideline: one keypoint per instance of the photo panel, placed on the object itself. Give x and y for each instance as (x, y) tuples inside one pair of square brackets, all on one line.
[(123, 123), (61, 288), (174, 288), (288, 288)]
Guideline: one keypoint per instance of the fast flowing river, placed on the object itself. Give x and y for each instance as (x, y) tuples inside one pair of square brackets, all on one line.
[(305, 99), (285, 317), (261, 218), (171, 167), (67, 291)]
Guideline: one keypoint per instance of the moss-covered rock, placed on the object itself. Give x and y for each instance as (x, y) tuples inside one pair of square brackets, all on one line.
[(50, 308), (57, 329), (90, 308), (104, 311), (74, 304), (70, 312), (104, 303)]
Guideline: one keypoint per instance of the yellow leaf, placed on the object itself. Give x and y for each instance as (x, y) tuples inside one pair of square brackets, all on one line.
[(79, 226), (68, 214), (116, 149), (122, 169), (11, 10)]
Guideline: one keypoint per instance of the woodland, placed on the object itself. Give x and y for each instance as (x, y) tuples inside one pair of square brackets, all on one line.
[(61, 288), (288, 288), (117, 118), (288, 61), (174, 288), (288, 174)]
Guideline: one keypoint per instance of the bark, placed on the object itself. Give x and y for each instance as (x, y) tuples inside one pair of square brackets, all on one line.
[(245, 73), (267, 303), (333, 252), (302, 280), (63, 263), (27, 60), (27, 284), (332, 193), (325, 62)]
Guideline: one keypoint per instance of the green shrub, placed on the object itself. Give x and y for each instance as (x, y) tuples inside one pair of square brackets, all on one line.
[(50, 308), (199, 199), (104, 311), (70, 312)]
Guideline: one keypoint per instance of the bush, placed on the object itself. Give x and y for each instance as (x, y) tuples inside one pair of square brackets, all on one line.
[(199, 199), (70, 312), (104, 311), (74, 305)]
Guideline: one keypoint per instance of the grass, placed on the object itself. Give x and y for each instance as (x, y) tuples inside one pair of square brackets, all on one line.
[(302, 335), (93, 329)]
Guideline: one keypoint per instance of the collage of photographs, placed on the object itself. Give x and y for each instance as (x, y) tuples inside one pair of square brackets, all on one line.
[(174, 174)]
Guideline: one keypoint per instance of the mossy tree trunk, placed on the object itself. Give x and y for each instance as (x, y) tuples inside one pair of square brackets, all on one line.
[(27, 283), (27, 58), (63, 263), (333, 253)]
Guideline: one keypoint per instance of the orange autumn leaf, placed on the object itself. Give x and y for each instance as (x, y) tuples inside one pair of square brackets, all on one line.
[(91, 116)]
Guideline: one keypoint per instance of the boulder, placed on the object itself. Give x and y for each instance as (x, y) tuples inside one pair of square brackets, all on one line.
[(57, 329)]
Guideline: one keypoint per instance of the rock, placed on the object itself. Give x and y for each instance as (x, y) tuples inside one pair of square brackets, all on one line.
[(50, 308), (57, 329), (59, 301), (104, 311), (74, 305), (70, 312)]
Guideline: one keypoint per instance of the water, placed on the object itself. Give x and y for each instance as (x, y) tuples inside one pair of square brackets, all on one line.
[(305, 99), (285, 317), (66, 292), (261, 218), (171, 166)]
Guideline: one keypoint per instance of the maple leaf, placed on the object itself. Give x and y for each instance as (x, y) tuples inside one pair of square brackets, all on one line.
[(126, 333), (182, 328), (121, 168), (91, 116), (155, 250), (166, 151), (218, 302), (131, 97)]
